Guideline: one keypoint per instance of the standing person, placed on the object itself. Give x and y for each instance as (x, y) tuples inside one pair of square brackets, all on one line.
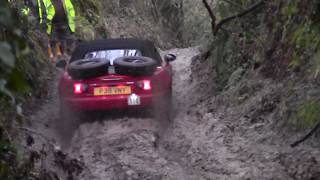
[(57, 18), (60, 26)]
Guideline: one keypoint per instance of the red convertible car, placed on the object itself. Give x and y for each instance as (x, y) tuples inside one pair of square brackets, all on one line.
[(115, 74)]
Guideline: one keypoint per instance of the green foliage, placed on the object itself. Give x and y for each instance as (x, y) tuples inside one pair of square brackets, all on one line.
[(307, 115), (231, 45), (224, 59), (7, 159), (282, 37), (197, 26), (12, 52), (290, 9), (316, 60), (20, 70), (302, 31), (305, 37), (91, 23)]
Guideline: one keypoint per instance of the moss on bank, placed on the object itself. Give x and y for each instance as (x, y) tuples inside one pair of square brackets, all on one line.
[(91, 24), (279, 41), (307, 114)]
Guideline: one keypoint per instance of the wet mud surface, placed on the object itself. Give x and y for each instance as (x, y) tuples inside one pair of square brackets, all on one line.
[(196, 143)]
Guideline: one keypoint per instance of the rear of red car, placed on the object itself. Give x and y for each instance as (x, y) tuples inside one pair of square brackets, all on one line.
[(112, 90)]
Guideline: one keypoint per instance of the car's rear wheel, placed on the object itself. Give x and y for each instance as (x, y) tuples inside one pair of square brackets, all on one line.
[(135, 65), (88, 68)]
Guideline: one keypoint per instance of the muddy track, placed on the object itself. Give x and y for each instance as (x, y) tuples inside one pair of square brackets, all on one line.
[(196, 144), (128, 147)]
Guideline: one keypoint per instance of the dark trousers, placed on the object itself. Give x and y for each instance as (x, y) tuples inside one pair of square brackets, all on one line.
[(61, 34)]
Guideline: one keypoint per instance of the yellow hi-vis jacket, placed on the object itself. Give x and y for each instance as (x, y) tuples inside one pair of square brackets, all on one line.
[(50, 12)]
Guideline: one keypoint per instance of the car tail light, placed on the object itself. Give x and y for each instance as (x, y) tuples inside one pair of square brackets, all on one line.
[(78, 88), (145, 85)]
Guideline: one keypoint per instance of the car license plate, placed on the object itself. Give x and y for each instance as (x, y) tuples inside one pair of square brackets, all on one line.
[(101, 91)]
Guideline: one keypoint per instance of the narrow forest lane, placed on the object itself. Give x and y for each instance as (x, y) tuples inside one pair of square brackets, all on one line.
[(202, 141), (240, 98)]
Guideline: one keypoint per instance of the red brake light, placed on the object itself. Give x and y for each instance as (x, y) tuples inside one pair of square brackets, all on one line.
[(78, 88), (146, 85)]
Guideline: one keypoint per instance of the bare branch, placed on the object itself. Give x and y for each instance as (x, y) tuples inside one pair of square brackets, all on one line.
[(306, 136), (212, 16), (243, 13), (217, 26), (207, 6)]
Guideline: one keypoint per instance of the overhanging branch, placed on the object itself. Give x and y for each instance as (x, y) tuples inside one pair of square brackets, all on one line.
[(217, 26), (207, 6), (241, 14), (211, 14)]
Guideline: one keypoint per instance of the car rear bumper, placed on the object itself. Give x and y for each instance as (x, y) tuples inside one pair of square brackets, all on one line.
[(93, 103)]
